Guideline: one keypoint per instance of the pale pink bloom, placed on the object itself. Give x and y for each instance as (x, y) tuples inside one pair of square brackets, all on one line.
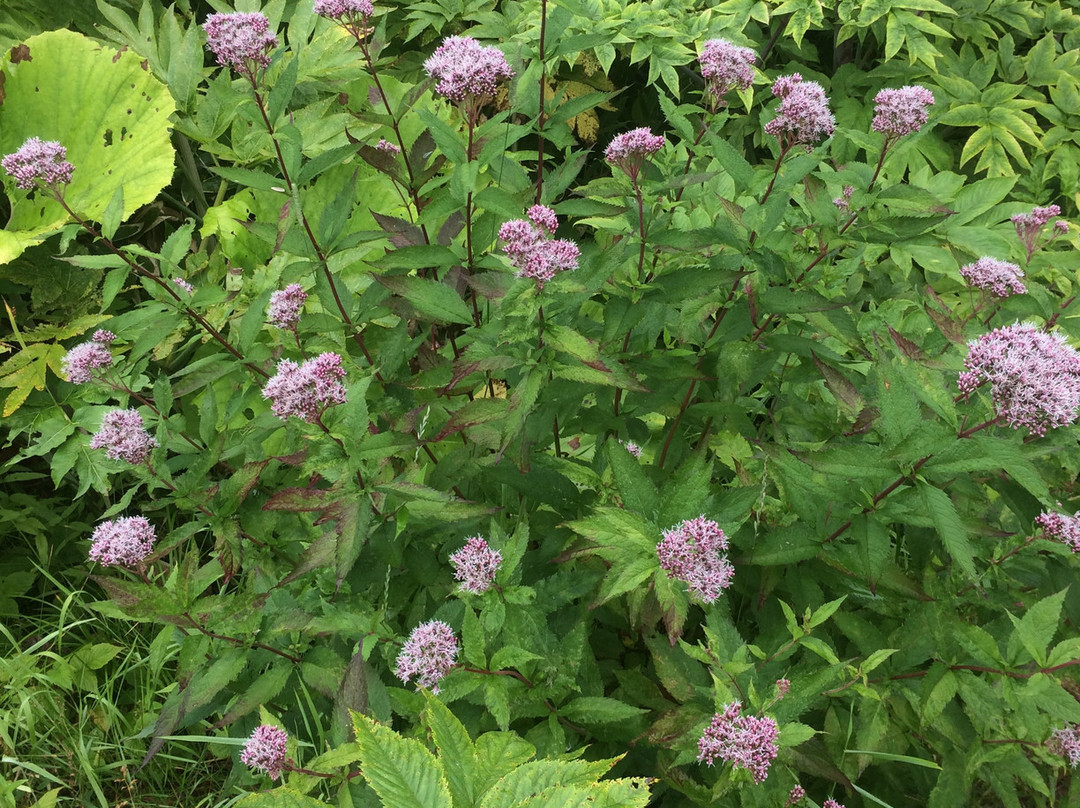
[(187, 287), (693, 552), (630, 150), (123, 437), (1066, 742), (901, 112), (725, 65), (428, 654), (104, 337), (531, 249), (125, 541), (82, 363), (746, 741), (385, 145), (463, 67), (803, 116), (1000, 278), (285, 306), (783, 687), (843, 202), (1034, 376), (475, 565), (344, 10), (306, 390), (632, 448), (38, 162), (797, 793), (1061, 226), (831, 803), (265, 750), (1029, 226), (242, 41), (1058, 526)]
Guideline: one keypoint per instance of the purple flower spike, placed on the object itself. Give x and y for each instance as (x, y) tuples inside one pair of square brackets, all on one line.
[(306, 390), (1066, 742), (82, 363), (265, 750), (1029, 226), (242, 41), (123, 437), (803, 117), (125, 541), (693, 552), (999, 277), (462, 67), (1034, 376), (901, 112), (725, 66), (1062, 528), (630, 150), (285, 306), (38, 163), (475, 565), (746, 741), (531, 249), (428, 654)]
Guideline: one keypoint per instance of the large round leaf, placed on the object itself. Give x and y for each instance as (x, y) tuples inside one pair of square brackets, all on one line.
[(104, 107)]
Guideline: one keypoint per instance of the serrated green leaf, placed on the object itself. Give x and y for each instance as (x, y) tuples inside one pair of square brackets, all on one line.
[(457, 755), (430, 298), (949, 527), (1036, 629), (400, 770)]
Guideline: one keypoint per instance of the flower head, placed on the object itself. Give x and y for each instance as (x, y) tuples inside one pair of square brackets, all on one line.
[(1000, 277), (747, 741), (242, 41), (386, 146), (475, 565), (843, 202), (901, 112), (1066, 742), (344, 10), (1034, 376), (803, 116), (783, 687), (693, 552), (38, 163), (123, 437), (632, 448), (428, 654), (1029, 226), (306, 390), (285, 305), (630, 150), (1058, 526), (82, 363), (531, 249), (265, 750), (462, 67), (797, 793), (831, 803), (127, 541), (725, 65), (183, 284)]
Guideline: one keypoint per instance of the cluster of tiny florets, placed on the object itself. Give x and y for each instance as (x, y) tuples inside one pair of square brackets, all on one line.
[(901, 112), (242, 41), (746, 741), (462, 67), (82, 363), (725, 65), (693, 552), (1029, 226), (123, 437), (632, 448), (783, 687), (831, 803), (1066, 742), (38, 162), (183, 284), (630, 150), (1062, 528), (797, 793), (475, 565), (126, 541), (265, 750), (344, 10), (428, 654), (285, 306), (803, 116), (306, 390), (386, 146), (1034, 376), (532, 250), (1000, 278), (843, 202)]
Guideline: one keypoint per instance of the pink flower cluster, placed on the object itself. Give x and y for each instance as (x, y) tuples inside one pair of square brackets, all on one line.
[(127, 541), (725, 65), (346, 11), (386, 146), (783, 687), (803, 116), (797, 793), (462, 67), (1029, 226), (306, 390), (428, 654), (265, 750), (38, 162), (746, 741), (1066, 742), (1058, 526), (999, 277), (693, 552), (632, 448), (285, 305), (82, 363), (1034, 376), (630, 150), (831, 803), (843, 202), (183, 284), (123, 437), (242, 41), (533, 251), (475, 565), (901, 112)]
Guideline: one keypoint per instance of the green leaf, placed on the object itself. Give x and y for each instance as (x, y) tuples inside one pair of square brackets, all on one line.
[(592, 710), (457, 755), (114, 214), (417, 257), (949, 527), (448, 141), (281, 797), (401, 771), (248, 178), (430, 298), (637, 492), (1036, 629)]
